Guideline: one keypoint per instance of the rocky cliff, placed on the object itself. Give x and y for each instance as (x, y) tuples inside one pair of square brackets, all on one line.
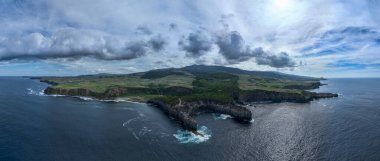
[(72, 92), (274, 96), (308, 86), (184, 112)]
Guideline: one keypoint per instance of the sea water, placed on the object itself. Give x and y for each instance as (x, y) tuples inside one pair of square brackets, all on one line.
[(36, 127)]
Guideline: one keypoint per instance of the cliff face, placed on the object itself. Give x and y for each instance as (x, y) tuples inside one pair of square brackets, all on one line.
[(108, 94), (202, 89), (47, 81), (116, 91), (273, 96), (310, 86), (184, 112), (71, 92), (178, 113)]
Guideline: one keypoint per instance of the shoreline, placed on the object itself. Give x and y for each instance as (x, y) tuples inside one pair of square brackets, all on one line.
[(87, 98), (185, 106)]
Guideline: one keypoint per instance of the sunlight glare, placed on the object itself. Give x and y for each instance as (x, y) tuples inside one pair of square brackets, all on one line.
[(282, 4)]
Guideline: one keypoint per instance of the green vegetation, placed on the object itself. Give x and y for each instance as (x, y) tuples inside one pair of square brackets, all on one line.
[(251, 82), (186, 84), (101, 84)]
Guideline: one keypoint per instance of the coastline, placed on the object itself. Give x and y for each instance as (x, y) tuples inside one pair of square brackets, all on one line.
[(184, 111)]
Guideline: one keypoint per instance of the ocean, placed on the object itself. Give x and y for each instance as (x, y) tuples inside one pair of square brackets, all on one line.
[(36, 127)]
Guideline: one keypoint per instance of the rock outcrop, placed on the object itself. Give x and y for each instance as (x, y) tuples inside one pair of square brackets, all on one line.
[(72, 92), (309, 86), (274, 96), (185, 112)]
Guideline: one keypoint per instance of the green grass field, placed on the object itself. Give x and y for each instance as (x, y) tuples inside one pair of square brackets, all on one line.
[(169, 86), (101, 84)]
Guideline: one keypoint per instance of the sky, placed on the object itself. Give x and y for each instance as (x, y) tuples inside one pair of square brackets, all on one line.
[(320, 38)]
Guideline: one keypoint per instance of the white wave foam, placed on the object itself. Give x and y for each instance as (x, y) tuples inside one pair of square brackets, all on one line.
[(253, 120), (144, 130), (218, 116), (130, 120), (101, 100), (41, 93), (136, 137), (55, 95), (137, 134), (184, 136), (30, 91), (85, 98), (37, 93)]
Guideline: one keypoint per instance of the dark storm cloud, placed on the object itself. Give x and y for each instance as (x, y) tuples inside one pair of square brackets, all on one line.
[(224, 16), (43, 56), (196, 44), (172, 26), (157, 43), (75, 44), (232, 47), (281, 60), (131, 51), (144, 30)]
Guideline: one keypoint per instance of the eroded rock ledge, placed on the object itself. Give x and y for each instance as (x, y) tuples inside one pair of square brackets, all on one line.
[(273, 96), (185, 112)]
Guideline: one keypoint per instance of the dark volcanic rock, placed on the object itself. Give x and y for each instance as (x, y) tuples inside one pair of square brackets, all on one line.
[(274, 96), (49, 82), (72, 92), (115, 92), (108, 94), (313, 85), (178, 113), (184, 112)]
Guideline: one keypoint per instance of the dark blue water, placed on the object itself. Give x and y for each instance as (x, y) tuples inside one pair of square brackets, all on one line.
[(34, 127)]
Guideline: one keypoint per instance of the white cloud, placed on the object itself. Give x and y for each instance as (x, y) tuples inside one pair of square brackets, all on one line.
[(106, 29)]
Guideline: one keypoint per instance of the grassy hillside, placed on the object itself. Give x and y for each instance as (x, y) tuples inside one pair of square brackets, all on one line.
[(101, 84), (190, 83)]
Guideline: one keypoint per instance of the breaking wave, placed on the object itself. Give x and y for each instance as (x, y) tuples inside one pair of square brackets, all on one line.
[(218, 116), (101, 100), (184, 136), (41, 93), (144, 131), (253, 120), (37, 93), (136, 134)]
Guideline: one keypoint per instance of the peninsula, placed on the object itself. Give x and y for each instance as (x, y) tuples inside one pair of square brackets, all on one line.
[(185, 92)]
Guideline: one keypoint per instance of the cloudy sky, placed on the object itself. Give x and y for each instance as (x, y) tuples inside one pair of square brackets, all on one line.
[(330, 38)]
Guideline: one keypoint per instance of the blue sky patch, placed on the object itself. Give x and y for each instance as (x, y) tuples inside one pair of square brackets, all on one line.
[(352, 65)]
